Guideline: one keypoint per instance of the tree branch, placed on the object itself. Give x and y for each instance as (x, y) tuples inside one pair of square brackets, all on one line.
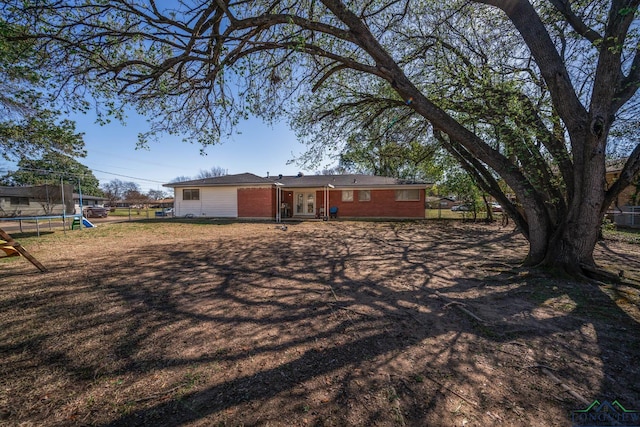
[(629, 84), (576, 23), (532, 29), (328, 74), (484, 179)]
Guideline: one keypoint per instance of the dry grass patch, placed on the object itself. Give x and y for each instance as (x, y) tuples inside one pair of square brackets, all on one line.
[(339, 323)]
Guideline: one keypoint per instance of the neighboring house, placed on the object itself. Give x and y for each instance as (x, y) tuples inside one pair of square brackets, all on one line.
[(436, 202), (250, 196), (625, 209), (38, 200), (87, 201), (161, 203)]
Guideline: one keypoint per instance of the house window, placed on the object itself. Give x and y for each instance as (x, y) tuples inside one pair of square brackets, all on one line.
[(407, 195), (20, 201), (347, 195), (364, 195), (191, 194)]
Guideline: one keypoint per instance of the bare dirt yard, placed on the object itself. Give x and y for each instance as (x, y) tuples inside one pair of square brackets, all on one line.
[(322, 324)]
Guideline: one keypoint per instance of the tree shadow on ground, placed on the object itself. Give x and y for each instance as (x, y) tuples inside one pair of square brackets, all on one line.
[(27, 234), (329, 324)]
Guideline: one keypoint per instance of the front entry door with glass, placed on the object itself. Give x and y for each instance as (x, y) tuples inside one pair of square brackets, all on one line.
[(305, 203)]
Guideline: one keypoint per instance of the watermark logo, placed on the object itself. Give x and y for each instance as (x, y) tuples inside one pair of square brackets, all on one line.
[(605, 413)]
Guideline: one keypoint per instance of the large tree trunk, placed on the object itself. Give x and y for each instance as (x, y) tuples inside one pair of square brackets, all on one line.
[(568, 246)]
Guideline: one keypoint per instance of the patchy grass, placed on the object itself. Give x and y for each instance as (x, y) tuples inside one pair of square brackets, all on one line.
[(197, 322), (625, 235), (447, 214)]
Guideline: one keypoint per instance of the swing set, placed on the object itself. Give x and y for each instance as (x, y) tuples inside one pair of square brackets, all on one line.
[(12, 248)]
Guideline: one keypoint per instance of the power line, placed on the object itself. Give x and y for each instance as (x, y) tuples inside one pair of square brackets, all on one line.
[(46, 171), (61, 173), (130, 177)]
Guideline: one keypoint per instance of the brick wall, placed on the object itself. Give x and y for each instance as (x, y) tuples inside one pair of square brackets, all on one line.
[(627, 196), (260, 203), (256, 203), (383, 204)]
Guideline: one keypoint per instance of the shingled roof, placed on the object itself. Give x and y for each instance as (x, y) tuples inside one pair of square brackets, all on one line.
[(299, 181), (15, 191), (351, 180), (225, 180)]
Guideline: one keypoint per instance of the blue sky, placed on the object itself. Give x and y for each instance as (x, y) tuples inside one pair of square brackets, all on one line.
[(112, 154)]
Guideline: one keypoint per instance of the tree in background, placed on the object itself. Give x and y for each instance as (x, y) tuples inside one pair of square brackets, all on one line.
[(211, 173), (28, 129), (156, 195), (203, 174), (50, 169), (521, 93), (134, 197), (403, 155), (378, 136), (181, 178), (116, 190), (334, 170), (461, 185)]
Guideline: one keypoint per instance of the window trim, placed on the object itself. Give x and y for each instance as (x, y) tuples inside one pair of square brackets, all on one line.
[(191, 192), (360, 192), (406, 192)]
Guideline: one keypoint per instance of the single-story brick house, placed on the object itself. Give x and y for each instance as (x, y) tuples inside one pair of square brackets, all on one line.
[(250, 196)]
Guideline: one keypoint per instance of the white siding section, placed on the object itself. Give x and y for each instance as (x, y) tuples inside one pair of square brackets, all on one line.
[(218, 202)]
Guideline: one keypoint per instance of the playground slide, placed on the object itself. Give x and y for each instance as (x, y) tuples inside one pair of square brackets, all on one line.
[(87, 223)]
